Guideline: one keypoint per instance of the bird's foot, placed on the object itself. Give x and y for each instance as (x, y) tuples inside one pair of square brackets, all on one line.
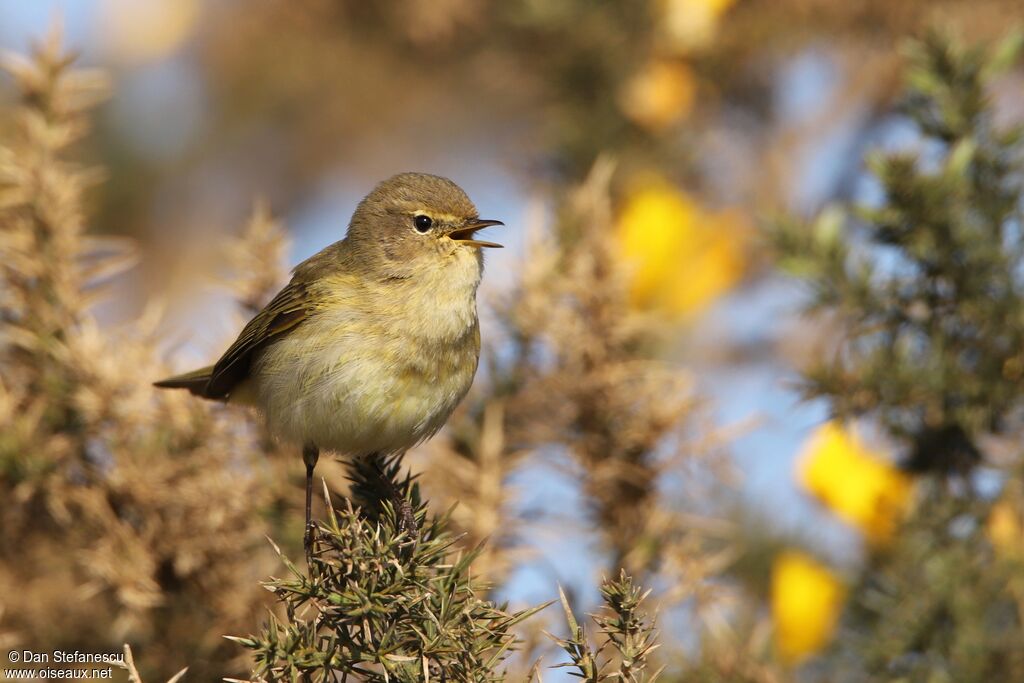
[(307, 542), (407, 518)]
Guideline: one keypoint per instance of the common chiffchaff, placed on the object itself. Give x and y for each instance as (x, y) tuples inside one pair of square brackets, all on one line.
[(375, 340)]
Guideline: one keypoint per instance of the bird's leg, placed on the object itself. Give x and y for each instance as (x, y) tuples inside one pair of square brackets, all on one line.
[(407, 518), (310, 454)]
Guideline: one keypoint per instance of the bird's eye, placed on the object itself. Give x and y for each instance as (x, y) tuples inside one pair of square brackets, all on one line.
[(422, 223)]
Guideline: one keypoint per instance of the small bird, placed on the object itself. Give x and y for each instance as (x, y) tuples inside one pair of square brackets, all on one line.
[(375, 340)]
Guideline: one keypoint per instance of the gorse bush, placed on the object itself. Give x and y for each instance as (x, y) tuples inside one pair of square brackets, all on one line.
[(928, 286), (125, 512), (928, 291), (382, 603), (941, 604)]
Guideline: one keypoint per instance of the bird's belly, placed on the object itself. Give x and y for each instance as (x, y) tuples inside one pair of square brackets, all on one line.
[(358, 398)]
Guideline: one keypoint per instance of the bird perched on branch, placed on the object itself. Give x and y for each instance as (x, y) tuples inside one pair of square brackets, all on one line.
[(369, 348)]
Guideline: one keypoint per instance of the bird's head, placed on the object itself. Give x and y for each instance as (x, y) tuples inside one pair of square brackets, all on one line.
[(417, 220)]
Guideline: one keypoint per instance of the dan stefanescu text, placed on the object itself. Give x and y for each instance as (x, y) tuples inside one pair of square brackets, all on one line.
[(65, 657)]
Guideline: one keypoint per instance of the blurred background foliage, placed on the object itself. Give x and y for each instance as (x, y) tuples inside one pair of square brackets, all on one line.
[(796, 424)]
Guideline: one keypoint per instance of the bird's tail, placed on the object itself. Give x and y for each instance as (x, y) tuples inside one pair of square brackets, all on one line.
[(196, 381)]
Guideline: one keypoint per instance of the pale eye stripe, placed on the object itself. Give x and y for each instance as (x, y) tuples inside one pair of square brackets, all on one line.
[(442, 217)]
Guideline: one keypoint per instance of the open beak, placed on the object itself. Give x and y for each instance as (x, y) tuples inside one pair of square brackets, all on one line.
[(464, 235)]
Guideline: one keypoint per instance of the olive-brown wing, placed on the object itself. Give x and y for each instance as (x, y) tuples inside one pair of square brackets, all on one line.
[(284, 313)]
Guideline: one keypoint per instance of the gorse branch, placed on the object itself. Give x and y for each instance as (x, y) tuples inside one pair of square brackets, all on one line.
[(628, 636), (128, 664), (380, 606)]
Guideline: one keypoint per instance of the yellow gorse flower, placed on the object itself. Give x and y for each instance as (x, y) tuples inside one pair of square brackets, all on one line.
[(687, 25), (660, 94), (1004, 529), (806, 600), (854, 482), (680, 256)]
